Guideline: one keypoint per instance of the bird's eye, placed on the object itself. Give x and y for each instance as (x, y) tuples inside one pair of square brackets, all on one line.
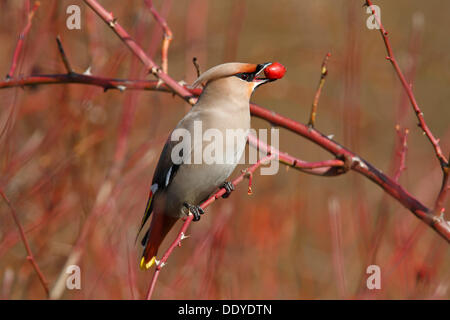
[(245, 76)]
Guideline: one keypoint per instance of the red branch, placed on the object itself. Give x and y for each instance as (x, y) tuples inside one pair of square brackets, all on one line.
[(359, 165), (442, 196), (30, 256), (21, 40), (439, 209), (352, 160), (322, 168), (105, 83), (168, 36), (182, 234), (151, 66)]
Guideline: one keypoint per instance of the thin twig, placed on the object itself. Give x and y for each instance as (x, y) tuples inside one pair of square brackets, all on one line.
[(63, 55), (30, 256), (22, 36), (167, 38), (197, 67), (438, 210), (323, 74)]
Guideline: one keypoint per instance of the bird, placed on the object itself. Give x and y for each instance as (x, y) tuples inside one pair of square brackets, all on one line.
[(178, 187)]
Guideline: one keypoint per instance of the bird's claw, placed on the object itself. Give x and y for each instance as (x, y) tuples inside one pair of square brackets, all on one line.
[(195, 210), (229, 187)]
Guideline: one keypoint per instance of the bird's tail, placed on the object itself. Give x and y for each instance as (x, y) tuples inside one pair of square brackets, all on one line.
[(159, 227)]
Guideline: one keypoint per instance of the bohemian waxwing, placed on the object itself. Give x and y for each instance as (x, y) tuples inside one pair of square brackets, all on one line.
[(178, 187)]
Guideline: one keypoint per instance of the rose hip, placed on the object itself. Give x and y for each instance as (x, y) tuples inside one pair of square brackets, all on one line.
[(275, 71)]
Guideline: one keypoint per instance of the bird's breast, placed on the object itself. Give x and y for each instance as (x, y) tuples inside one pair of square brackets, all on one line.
[(218, 137)]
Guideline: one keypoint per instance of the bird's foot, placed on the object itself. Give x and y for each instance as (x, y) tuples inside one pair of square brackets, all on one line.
[(229, 187), (195, 210)]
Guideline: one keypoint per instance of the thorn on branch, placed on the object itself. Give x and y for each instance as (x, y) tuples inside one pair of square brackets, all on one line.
[(159, 264), (358, 162), (88, 71), (154, 70), (183, 236), (159, 84), (192, 100), (121, 88), (294, 163), (112, 23)]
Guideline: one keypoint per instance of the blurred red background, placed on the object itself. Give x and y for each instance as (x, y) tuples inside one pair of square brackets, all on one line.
[(298, 236)]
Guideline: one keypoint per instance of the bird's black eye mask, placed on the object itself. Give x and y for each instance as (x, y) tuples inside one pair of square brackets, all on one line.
[(246, 76), (250, 76)]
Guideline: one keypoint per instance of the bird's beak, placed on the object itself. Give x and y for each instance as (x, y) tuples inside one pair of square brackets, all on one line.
[(260, 77)]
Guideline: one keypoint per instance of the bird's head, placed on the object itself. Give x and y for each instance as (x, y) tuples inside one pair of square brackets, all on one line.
[(239, 79)]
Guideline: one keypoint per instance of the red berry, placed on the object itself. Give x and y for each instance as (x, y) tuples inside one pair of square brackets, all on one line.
[(275, 71)]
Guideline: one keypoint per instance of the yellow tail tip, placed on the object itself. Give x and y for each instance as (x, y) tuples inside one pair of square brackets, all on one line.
[(148, 265)]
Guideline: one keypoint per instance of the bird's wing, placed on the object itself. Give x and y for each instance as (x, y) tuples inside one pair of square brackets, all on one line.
[(166, 169), (164, 173)]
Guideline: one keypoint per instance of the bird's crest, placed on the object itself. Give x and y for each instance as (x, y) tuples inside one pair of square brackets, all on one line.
[(224, 70)]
